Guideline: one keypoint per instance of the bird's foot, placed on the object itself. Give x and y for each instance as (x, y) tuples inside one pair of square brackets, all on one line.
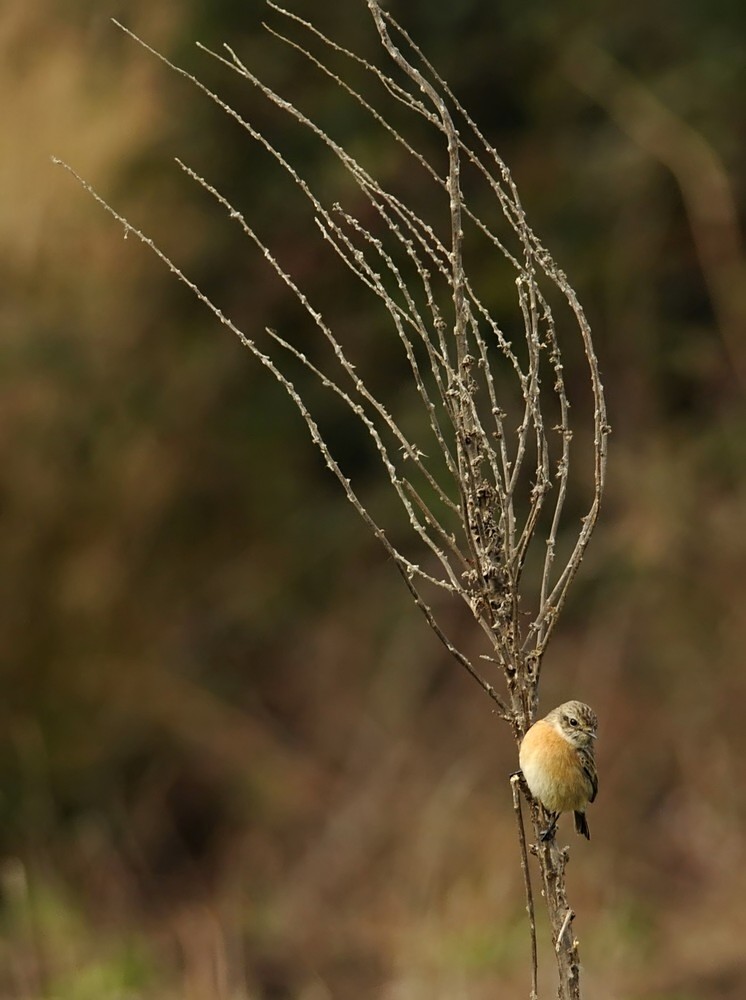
[(548, 834)]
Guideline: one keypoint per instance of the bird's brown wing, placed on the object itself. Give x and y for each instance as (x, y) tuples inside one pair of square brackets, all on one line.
[(589, 768)]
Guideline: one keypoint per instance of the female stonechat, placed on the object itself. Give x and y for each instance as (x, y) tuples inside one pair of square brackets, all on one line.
[(557, 761)]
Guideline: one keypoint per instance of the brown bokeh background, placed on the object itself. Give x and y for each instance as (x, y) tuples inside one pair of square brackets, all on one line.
[(233, 760)]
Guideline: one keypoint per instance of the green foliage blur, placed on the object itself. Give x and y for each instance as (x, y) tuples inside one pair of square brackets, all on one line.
[(233, 760)]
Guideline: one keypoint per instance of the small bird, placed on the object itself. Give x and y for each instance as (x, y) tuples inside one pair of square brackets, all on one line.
[(556, 757)]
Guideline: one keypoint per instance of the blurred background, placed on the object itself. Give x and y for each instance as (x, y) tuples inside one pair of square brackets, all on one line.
[(234, 762)]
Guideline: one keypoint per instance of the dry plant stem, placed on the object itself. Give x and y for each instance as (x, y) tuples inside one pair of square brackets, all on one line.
[(514, 783), (552, 863), (486, 482)]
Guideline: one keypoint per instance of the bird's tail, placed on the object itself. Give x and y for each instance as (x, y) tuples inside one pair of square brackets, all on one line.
[(581, 825)]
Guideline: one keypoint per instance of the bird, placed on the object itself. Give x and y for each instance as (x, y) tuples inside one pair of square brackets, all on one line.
[(557, 760)]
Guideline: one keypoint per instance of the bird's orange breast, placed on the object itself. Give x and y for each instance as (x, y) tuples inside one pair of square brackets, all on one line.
[(553, 769)]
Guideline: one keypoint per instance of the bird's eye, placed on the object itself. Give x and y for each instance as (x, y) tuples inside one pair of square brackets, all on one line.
[(573, 721)]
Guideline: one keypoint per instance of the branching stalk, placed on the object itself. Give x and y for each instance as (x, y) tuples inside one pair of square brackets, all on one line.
[(481, 483)]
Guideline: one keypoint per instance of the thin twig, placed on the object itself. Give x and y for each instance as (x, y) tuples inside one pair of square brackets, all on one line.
[(515, 781), (565, 923)]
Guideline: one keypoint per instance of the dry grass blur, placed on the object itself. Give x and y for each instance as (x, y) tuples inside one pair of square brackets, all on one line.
[(234, 763)]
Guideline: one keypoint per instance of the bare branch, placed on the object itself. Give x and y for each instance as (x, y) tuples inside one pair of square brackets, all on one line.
[(481, 485), (515, 780)]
